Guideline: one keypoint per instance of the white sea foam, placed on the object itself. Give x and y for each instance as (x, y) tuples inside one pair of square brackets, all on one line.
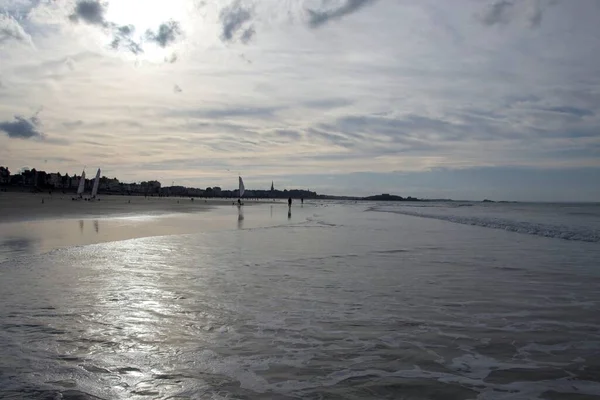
[(475, 216)]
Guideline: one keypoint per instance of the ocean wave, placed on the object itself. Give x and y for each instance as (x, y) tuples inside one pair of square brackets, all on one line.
[(581, 234)]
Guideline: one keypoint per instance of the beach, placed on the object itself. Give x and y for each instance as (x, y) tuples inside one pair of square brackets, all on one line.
[(30, 225), (336, 300), (19, 206)]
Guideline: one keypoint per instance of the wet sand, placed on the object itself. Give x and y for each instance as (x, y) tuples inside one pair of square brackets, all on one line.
[(28, 226), (27, 206)]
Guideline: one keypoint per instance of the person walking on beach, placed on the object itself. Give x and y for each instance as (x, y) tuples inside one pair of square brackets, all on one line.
[(289, 202)]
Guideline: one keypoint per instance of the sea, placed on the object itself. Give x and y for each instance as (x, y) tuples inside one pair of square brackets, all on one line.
[(331, 300)]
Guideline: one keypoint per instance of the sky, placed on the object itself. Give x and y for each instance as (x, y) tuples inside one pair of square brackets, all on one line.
[(463, 99)]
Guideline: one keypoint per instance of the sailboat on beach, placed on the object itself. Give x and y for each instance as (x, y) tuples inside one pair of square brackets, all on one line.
[(96, 183), (242, 188), (81, 187), (241, 191)]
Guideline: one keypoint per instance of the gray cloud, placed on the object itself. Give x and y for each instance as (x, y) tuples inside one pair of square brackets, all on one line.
[(497, 13), (578, 112), (73, 124), (502, 12), (123, 39), (288, 133), (535, 18), (260, 112), (89, 11), (233, 18), (537, 10), (337, 139), (93, 12), (22, 128), (327, 103), (248, 35), (166, 34), (320, 18), (171, 59), (177, 89)]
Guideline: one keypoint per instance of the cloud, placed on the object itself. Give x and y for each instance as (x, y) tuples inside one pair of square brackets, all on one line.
[(73, 124), (22, 128), (578, 112), (497, 13), (90, 12), (320, 18), (93, 12), (123, 38), (327, 103), (11, 29), (288, 133), (248, 35), (502, 12), (337, 139), (171, 59), (536, 11), (231, 112), (166, 34), (233, 18), (177, 89)]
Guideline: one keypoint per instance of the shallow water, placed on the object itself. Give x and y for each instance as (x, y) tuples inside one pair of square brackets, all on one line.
[(338, 301)]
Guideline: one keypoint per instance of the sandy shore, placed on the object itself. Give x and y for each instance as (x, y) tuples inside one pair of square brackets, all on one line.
[(28, 206)]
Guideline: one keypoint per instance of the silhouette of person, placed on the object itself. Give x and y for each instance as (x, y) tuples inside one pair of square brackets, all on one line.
[(289, 202), (302, 200)]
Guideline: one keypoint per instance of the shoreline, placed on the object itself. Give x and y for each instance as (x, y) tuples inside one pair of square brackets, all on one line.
[(22, 206)]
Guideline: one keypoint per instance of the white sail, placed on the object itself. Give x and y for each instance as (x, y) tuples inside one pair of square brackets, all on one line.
[(96, 183), (242, 189), (81, 186)]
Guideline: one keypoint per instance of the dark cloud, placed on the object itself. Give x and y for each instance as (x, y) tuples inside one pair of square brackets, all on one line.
[(502, 12), (166, 34), (320, 18), (93, 12), (22, 128), (499, 12), (248, 35), (537, 10), (578, 112), (233, 18), (89, 11), (123, 39), (535, 18)]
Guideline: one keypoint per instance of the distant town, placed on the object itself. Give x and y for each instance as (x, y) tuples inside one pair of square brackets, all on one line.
[(33, 180), (41, 181)]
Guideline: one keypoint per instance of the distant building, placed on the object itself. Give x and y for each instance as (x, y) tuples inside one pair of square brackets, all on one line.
[(272, 187), (74, 181), (4, 176), (54, 180), (29, 177), (110, 185)]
